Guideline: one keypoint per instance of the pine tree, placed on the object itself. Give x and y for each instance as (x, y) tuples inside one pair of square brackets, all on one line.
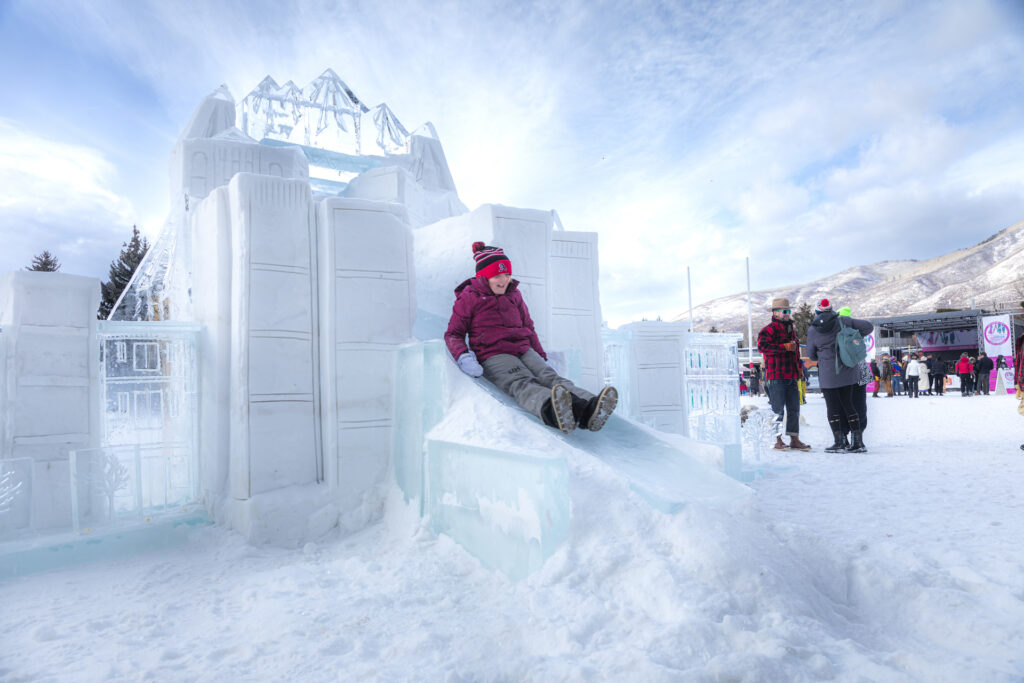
[(802, 318), (45, 262), (121, 272)]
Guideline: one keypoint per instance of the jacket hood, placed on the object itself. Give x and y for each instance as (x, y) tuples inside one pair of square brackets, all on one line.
[(479, 284), (826, 322)]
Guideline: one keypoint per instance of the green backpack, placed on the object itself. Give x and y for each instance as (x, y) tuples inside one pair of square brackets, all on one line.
[(850, 346)]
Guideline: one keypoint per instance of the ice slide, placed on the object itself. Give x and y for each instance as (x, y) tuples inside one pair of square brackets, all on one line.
[(496, 480)]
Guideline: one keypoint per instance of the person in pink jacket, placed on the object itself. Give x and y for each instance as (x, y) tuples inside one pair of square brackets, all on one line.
[(504, 348), (966, 371)]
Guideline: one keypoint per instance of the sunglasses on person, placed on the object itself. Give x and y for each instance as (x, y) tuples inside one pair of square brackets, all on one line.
[(784, 311)]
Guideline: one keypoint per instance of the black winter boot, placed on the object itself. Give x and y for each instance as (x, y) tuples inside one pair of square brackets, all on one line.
[(581, 410), (857, 445), (837, 434), (599, 409)]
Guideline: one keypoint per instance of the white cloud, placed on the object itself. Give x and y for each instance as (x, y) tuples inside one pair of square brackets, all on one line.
[(56, 197)]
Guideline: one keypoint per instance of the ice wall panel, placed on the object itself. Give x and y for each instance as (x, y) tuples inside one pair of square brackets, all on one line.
[(375, 310), (527, 238), (52, 410), (280, 365), (53, 305), (365, 383), (660, 386), (42, 353), (364, 457), (278, 215), (283, 439), (51, 504), (285, 301), (370, 238)]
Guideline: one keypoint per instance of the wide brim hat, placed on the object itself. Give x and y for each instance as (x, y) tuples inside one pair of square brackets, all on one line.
[(780, 303)]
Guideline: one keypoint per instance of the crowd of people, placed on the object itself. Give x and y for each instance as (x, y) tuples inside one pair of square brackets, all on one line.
[(922, 374), (844, 373)]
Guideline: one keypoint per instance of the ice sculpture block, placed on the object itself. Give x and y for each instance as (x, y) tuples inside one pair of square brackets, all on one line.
[(48, 405), (366, 311), (556, 270), (506, 506), (509, 509)]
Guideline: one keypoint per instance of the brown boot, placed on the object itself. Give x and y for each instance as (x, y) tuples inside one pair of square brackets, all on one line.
[(780, 445), (796, 444)]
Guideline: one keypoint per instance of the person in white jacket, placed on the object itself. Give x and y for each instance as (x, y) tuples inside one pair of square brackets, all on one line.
[(925, 380), (912, 375)]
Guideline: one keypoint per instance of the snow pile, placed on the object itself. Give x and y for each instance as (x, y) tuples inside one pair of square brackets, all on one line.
[(901, 564)]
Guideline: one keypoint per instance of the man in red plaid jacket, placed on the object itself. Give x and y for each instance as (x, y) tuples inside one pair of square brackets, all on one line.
[(783, 369)]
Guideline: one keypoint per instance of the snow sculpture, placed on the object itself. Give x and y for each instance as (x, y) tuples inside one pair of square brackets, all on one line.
[(759, 432), (556, 269), (49, 404)]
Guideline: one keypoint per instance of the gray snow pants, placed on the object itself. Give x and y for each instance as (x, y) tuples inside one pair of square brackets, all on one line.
[(527, 379)]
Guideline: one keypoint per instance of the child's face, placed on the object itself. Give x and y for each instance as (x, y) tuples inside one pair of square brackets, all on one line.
[(499, 283)]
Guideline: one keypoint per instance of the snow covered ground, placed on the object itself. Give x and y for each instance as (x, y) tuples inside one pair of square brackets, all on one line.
[(902, 564)]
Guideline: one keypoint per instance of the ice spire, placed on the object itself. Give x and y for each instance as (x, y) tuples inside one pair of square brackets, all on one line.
[(392, 137), (326, 113)]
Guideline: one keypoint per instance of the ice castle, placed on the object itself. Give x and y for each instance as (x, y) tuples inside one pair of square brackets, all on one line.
[(275, 364)]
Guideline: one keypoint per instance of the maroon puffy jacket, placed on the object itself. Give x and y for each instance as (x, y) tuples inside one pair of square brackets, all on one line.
[(495, 324)]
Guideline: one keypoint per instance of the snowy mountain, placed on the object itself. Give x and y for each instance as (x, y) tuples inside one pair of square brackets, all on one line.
[(987, 273)]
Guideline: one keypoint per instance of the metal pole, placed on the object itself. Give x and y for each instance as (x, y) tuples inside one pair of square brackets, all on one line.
[(689, 294), (750, 323)]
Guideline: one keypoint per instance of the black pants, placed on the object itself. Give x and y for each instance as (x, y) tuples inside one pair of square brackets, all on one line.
[(860, 404), (840, 406), (965, 383), (912, 381), (940, 384)]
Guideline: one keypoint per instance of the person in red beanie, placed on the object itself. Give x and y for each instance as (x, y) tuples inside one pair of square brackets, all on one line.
[(504, 348)]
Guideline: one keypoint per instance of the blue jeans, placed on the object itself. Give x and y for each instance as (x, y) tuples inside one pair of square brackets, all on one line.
[(784, 394)]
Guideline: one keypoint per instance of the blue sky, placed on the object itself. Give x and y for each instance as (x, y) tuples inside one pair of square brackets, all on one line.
[(810, 136)]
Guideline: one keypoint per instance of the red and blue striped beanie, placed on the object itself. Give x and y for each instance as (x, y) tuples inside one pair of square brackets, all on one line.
[(490, 261)]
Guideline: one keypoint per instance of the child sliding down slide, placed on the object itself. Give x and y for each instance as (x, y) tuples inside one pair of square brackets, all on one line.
[(504, 348)]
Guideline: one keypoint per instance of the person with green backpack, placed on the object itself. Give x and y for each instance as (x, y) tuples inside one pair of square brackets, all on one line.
[(838, 346)]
